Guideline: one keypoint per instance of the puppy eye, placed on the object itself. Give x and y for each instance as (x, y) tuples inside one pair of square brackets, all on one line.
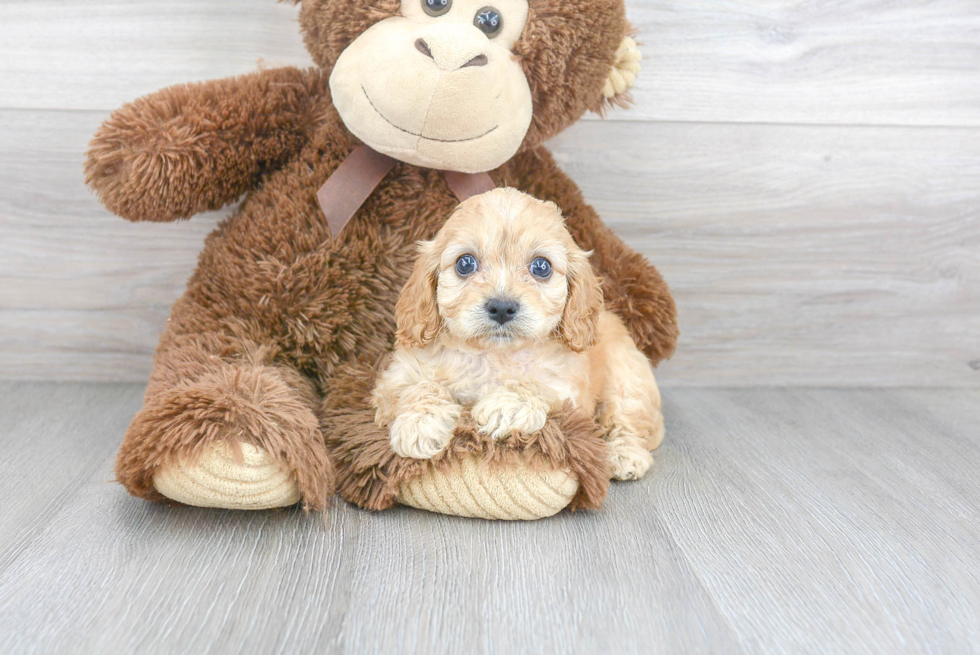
[(436, 7), (466, 265), (541, 268), (489, 21)]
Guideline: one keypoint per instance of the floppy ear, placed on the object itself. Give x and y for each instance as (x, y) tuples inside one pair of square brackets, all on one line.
[(580, 321), (416, 312)]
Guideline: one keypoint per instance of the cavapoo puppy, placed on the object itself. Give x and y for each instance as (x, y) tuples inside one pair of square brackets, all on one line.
[(504, 314)]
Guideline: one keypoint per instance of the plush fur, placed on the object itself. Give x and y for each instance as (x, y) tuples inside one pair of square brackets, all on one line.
[(278, 312)]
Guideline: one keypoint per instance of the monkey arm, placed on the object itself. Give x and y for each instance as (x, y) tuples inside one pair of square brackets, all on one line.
[(197, 147), (633, 289)]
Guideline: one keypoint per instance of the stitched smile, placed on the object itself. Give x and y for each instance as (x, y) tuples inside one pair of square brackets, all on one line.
[(422, 136)]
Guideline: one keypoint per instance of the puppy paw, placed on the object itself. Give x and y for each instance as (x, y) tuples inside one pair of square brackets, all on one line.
[(424, 432), (503, 412), (628, 462)]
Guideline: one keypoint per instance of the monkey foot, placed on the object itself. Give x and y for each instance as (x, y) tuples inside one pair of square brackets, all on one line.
[(219, 479), (470, 489)]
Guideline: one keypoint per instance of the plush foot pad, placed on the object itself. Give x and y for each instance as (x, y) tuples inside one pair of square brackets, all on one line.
[(218, 480), (509, 493)]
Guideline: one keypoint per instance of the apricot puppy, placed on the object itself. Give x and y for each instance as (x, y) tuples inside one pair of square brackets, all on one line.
[(504, 314)]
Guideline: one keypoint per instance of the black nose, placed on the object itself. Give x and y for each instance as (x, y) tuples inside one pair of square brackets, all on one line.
[(502, 310)]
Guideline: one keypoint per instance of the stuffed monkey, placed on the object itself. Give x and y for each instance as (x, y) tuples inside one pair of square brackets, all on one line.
[(258, 393)]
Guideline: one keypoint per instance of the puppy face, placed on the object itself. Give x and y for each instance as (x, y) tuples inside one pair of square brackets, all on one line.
[(501, 274)]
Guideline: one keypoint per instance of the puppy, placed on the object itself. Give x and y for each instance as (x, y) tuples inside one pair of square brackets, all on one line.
[(504, 314)]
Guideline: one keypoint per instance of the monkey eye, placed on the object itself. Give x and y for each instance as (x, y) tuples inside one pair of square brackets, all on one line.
[(489, 21), (436, 7), (541, 268), (466, 265)]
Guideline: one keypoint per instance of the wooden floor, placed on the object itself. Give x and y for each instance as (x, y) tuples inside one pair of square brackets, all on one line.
[(819, 521)]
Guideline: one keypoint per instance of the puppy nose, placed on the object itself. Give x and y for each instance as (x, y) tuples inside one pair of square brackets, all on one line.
[(502, 310)]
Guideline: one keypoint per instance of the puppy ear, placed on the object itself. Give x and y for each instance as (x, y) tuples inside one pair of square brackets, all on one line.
[(416, 312), (580, 321)]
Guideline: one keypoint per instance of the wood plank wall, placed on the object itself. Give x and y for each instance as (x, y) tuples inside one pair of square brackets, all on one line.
[(805, 173)]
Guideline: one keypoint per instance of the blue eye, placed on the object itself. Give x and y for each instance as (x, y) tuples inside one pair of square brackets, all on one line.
[(541, 268), (466, 265)]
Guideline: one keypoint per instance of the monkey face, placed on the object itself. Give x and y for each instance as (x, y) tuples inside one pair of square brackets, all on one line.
[(408, 78), (438, 86)]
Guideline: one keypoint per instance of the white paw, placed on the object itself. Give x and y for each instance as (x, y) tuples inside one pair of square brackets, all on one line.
[(629, 462), (424, 434), (501, 413)]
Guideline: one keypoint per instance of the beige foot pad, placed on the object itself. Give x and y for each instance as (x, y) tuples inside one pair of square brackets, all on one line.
[(624, 71), (217, 480), (508, 492)]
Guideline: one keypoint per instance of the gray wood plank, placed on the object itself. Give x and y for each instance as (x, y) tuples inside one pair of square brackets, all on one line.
[(56, 438), (83, 294), (83, 54), (845, 62), (774, 521), (905, 62), (829, 521), (798, 255), (605, 582), (114, 574)]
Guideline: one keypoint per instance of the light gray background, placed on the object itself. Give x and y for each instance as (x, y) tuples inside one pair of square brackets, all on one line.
[(806, 175)]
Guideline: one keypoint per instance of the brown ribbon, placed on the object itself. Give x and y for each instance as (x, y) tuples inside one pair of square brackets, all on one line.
[(360, 174), (350, 185), (467, 185)]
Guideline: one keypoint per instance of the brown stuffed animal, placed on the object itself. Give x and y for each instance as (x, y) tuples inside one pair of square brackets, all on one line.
[(262, 377)]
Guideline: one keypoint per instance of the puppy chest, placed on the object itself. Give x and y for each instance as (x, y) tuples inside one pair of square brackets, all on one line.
[(473, 374)]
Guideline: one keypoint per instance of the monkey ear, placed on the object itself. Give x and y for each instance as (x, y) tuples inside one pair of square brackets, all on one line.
[(580, 321), (416, 312), (622, 74)]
